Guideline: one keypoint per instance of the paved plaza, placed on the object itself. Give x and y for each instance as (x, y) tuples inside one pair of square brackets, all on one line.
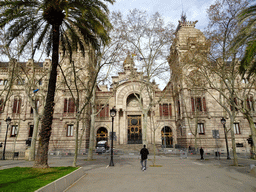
[(176, 174)]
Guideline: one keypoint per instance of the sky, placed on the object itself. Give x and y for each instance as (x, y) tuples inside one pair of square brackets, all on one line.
[(170, 9)]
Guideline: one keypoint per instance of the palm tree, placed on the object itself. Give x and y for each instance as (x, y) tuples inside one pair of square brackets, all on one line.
[(247, 36), (73, 23)]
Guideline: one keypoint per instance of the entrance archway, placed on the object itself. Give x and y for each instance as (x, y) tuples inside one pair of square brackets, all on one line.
[(167, 139), (102, 134)]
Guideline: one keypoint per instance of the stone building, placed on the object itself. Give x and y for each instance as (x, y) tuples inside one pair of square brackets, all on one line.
[(133, 124), (197, 104), (167, 116)]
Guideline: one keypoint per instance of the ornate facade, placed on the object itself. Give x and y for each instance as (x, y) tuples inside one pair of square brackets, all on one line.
[(140, 117)]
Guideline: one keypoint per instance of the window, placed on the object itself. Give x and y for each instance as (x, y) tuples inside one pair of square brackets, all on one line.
[(249, 102), (104, 111), (178, 108), (239, 145), (200, 128), (69, 105), (20, 81), (3, 81), (165, 110), (70, 130), (16, 105), (244, 80), (1, 105), (237, 128), (31, 129), (14, 130), (198, 104)]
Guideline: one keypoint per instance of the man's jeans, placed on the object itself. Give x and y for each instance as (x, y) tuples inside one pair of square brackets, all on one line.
[(145, 163)]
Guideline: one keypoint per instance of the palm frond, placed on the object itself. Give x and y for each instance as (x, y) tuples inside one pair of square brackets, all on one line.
[(40, 38)]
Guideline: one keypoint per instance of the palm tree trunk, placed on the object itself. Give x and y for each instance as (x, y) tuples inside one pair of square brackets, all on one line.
[(45, 133)]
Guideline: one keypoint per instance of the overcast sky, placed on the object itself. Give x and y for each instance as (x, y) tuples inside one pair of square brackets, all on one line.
[(170, 9)]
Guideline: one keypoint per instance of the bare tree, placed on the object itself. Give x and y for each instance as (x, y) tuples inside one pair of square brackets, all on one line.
[(28, 76), (147, 39)]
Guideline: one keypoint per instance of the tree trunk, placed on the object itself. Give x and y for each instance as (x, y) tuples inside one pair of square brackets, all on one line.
[(34, 137), (253, 133), (196, 122), (154, 137), (16, 137), (76, 147), (91, 143), (82, 135), (145, 122), (235, 161), (45, 133)]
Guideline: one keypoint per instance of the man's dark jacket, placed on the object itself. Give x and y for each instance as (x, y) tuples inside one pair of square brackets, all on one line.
[(144, 153), (201, 151)]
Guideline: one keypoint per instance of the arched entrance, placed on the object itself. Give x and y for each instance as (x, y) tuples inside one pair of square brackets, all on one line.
[(167, 139), (134, 131), (102, 134)]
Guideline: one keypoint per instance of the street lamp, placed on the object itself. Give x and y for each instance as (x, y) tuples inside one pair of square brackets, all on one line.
[(223, 121), (112, 114), (8, 121)]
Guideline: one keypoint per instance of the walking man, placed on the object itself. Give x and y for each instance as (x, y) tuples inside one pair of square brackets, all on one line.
[(144, 155), (202, 153)]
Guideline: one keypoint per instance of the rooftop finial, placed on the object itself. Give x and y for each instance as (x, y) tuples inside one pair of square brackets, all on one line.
[(128, 62), (183, 17)]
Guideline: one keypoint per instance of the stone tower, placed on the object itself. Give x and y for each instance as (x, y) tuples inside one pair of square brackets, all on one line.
[(187, 37)]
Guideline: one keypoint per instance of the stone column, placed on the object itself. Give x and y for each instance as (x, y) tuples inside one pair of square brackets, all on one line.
[(124, 129), (117, 127)]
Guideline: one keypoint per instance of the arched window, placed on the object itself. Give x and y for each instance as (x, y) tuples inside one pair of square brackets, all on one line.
[(132, 100)]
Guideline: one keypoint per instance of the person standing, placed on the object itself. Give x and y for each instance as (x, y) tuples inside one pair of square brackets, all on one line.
[(202, 153), (144, 155)]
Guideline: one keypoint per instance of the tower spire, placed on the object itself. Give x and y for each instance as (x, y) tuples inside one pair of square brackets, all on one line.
[(183, 17)]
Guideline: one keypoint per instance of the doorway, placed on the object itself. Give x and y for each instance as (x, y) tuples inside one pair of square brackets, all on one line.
[(134, 129), (102, 134), (167, 139)]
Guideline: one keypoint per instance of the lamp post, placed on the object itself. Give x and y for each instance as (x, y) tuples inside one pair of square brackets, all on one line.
[(8, 121), (112, 114), (223, 121)]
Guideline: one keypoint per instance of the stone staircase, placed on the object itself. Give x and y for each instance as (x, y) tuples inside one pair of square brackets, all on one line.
[(129, 148)]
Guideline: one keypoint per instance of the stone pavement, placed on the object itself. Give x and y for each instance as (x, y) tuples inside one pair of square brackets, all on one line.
[(176, 174)]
